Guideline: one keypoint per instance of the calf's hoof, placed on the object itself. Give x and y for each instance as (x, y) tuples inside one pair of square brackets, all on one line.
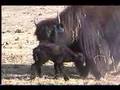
[(56, 76), (66, 78)]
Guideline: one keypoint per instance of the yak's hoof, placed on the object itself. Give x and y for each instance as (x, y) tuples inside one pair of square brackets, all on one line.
[(66, 78), (83, 77), (98, 76)]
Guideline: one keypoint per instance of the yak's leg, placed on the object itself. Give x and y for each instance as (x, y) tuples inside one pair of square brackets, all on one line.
[(61, 67), (90, 66), (56, 68), (84, 70), (116, 64), (95, 71)]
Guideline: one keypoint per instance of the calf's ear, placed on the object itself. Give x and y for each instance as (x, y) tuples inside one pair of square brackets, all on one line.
[(36, 21)]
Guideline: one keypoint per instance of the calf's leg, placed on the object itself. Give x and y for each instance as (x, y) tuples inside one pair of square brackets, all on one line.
[(56, 68), (33, 71), (38, 67), (61, 68)]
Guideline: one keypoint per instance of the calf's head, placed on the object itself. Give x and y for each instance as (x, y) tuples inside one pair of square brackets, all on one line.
[(45, 27)]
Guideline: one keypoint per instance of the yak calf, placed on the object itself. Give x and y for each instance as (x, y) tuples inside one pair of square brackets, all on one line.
[(56, 53)]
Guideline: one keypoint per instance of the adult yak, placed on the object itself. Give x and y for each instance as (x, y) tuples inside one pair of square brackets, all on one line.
[(92, 30)]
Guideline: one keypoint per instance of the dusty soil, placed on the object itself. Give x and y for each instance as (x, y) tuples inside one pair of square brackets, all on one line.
[(18, 40)]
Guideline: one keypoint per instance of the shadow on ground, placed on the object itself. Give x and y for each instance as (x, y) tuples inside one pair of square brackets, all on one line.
[(11, 71)]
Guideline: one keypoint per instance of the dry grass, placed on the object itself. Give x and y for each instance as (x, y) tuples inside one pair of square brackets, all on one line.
[(18, 40)]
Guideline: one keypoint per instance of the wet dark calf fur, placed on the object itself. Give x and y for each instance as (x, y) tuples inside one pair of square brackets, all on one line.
[(56, 53)]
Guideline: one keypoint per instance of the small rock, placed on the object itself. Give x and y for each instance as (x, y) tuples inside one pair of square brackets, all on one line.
[(20, 46), (17, 38), (18, 31), (3, 32), (8, 31), (6, 43), (40, 14), (31, 20)]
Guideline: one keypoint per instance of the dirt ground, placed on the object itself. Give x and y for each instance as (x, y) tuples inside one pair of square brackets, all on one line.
[(18, 40)]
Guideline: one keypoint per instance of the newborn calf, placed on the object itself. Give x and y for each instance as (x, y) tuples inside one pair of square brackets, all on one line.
[(56, 53)]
